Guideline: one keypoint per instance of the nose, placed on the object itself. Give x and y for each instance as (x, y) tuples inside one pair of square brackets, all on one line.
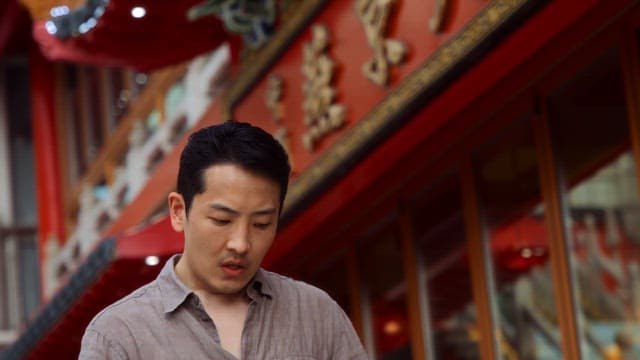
[(239, 240)]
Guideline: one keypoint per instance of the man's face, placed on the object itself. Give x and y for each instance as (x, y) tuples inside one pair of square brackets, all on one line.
[(229, 229)]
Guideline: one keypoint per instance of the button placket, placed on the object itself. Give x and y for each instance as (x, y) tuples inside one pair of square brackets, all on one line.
[(247, 331), (201, 313)]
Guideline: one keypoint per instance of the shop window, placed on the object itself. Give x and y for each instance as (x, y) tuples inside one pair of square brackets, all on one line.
[(590, 134), (522, 293), (439, 231), (19, 275), (92, 101), (74, 141), (385, 288)]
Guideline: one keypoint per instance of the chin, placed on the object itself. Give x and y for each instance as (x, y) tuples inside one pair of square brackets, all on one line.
[(230, 288), (231, 291)]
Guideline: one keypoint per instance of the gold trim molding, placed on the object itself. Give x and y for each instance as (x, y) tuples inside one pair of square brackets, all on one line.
[(480, 27)]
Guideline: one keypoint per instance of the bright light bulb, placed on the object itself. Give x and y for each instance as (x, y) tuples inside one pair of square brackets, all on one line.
[(152, 260), (51, 27), (59, 11), (83, 28), (392, 327), (138, 12)]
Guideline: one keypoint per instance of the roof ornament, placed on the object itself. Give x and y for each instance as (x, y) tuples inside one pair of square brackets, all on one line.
[(253, 19), (65, 23)]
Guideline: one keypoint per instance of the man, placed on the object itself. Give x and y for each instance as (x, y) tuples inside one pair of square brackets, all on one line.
[(214, 301)]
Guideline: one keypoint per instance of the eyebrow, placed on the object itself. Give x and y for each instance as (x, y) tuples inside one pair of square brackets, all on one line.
[(231, 211)]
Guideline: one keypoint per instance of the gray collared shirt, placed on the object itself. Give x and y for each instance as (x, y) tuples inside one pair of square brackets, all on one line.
[(164, 319)]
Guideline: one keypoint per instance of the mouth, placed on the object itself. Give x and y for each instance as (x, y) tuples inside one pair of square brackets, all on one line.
[(233, 268)]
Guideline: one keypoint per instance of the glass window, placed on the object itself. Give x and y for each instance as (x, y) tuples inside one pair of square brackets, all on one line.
[(522, 289), (383, 277), (19, 275), (72, 119), (94, 121), (439, 230), (590, 135)]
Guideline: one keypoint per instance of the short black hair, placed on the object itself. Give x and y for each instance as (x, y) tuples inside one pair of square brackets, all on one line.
[(231, 142)]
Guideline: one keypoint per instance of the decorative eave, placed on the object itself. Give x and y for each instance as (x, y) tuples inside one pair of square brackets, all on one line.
[(118, 39), (146, 34), (101, 279)]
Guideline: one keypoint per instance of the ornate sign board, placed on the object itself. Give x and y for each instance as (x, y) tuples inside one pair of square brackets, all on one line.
[(353, 73)]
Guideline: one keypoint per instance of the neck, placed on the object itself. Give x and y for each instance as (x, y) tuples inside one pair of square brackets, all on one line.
[(222, 300), (206, 294)]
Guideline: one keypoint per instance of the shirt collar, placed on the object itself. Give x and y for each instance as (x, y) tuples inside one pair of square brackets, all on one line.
[(260, 285), (175, 292)]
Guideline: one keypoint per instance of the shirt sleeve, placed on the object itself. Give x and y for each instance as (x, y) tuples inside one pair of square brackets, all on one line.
[(96, 346), (346, 343)]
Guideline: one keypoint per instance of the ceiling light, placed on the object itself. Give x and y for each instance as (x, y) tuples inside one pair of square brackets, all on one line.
[(152, 260), (51, 27), (392, 327), (98, 11), (138, 12), (84, 28), (91, 23), (526, 252), (59, 11)]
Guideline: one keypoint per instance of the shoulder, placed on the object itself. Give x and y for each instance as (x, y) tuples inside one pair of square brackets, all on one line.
[(111, 333), (124, 313), (283, 284), (288, 292), (313, 314)]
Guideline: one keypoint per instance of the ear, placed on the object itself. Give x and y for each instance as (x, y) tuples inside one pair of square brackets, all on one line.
[(177, 211)]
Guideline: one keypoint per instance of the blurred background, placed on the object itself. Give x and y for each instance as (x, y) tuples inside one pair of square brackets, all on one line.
[(465, 172)]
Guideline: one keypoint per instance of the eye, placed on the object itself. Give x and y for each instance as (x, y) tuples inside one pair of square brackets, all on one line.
[(262, 225), (220, 222)]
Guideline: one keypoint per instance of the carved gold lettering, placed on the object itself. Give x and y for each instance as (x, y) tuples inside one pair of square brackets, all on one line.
[(321, 115), (439, 15), (374, 15), (273, 100)]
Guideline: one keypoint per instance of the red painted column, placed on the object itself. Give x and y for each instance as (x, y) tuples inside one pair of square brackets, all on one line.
[(49, 199)]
